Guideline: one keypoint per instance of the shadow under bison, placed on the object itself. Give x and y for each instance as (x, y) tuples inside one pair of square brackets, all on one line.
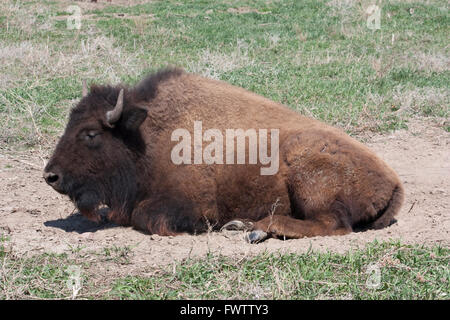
[(78, 223)]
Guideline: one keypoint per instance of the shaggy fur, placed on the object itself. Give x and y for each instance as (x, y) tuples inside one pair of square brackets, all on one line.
[(327, 183)]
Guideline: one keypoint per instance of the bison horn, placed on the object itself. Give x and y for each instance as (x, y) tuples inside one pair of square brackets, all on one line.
[(114, 115), (85, 89)]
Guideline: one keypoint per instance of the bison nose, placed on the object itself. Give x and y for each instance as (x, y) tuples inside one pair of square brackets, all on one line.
[(51, 178)]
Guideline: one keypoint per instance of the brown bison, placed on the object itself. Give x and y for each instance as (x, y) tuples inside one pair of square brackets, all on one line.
[(117, 150)]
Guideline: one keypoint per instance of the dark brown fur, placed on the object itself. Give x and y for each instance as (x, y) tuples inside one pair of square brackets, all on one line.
[(327, 183)]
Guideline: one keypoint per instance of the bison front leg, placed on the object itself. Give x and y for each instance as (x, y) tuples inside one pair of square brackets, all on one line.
[(166, 218), (285, 226), (152, 218)]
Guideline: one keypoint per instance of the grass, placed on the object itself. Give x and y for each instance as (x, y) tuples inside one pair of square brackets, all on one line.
[(381, 270), (317, 57), (405, 273)]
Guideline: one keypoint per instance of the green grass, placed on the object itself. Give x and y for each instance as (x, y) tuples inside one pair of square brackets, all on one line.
[(405, 272), (317, 57)]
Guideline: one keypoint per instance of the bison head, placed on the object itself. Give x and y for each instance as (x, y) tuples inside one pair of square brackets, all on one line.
[(95, 161)]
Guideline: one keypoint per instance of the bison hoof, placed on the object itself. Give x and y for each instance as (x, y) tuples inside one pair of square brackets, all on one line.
[(256, 236), (237, 225)]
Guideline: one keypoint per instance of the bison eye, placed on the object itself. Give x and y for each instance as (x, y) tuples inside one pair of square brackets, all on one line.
[(91, 138), (90, 135)]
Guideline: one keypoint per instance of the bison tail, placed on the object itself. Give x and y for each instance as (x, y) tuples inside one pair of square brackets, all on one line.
[(386, 218)]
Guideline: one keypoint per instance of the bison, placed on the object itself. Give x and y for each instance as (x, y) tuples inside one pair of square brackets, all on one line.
[(117, 146)]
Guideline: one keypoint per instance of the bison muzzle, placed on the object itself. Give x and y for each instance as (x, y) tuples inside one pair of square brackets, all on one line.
[(116, 152)]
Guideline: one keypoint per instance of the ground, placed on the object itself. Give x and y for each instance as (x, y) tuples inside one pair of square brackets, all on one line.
[(387, 87), (37, 219)]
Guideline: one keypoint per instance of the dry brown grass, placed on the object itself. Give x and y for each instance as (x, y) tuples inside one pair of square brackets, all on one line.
[(431, 62), (214, 64), (99, 56), (415, 100)]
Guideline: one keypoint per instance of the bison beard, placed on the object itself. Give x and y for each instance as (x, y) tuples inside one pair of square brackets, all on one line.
[(117, 191), (87, 201), (116, 152)]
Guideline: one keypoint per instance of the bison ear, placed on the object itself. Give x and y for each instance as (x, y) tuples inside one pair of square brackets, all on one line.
[(133, 118)]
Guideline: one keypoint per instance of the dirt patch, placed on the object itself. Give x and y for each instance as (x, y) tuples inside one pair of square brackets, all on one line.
[(243, 10), (37, 219), (100, 4)]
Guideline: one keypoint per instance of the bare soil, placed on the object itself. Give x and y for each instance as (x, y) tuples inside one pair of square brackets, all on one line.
[(37, 219)]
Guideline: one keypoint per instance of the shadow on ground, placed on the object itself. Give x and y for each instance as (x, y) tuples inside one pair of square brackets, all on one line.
[(78, 223)]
